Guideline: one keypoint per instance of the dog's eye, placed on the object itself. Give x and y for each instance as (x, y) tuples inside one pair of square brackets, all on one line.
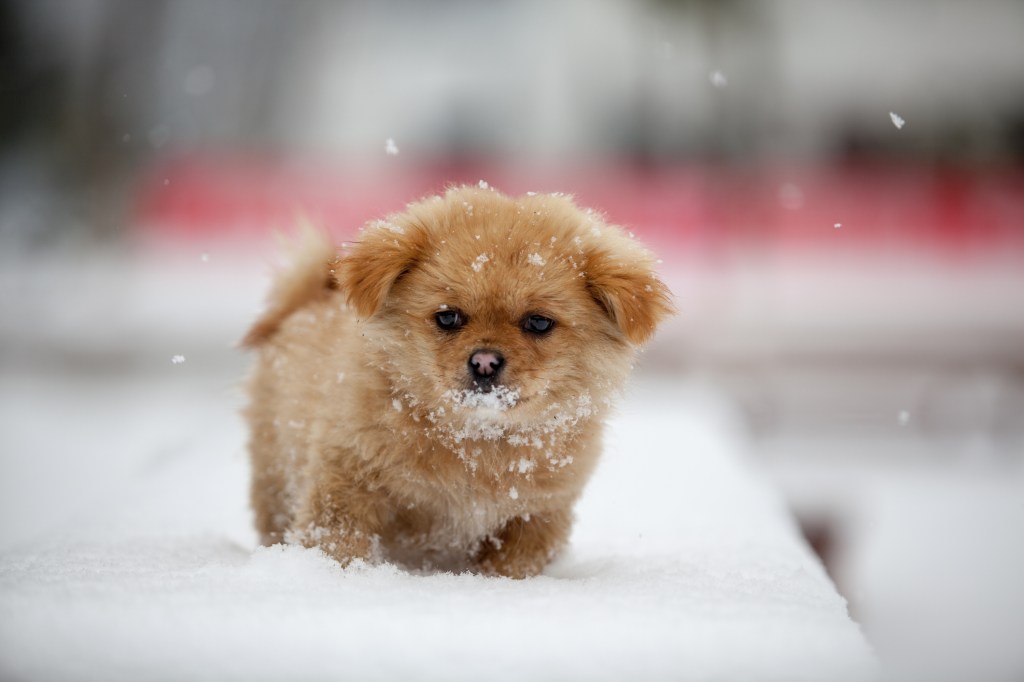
[(538, 324), (449, 320)]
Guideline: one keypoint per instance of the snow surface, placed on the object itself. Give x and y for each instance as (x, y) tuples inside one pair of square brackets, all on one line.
[(683, 563), (950, 604)]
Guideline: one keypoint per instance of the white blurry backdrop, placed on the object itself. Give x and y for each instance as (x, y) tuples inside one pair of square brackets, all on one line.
[(850, 287)]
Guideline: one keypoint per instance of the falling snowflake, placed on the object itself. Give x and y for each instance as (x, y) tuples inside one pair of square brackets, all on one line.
[(177, 359), (718, 79), (390, 148), (904, 417), (897, 120), (837, 225)]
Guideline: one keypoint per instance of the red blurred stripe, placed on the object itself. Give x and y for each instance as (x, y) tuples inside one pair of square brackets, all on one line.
[(706, 211)]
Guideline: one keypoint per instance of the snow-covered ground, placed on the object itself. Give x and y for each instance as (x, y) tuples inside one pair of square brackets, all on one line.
[(127, 552), (930, 557), (684, 564)]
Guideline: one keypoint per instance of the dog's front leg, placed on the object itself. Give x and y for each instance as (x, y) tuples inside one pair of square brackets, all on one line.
[(341, 519), (525, 544)]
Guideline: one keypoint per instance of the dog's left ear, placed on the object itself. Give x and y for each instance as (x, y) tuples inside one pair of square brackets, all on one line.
[(383, 253), (629, 291)]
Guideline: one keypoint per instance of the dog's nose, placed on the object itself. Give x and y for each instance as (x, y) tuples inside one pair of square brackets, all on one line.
[(486, 363)]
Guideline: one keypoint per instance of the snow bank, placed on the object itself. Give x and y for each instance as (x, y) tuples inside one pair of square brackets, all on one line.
[(683, 565)]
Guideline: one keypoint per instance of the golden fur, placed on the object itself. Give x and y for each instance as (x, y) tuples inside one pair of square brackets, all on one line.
[(367, 436)]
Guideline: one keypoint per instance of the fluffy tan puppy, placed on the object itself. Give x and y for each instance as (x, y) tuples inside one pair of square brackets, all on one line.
[(435, 395)]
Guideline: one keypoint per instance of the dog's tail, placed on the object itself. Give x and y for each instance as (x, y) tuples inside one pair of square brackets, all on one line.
[(308, 276)]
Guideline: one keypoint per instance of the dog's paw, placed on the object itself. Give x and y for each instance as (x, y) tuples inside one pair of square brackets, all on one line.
[(516, 568), (498, 556), (344, 545)]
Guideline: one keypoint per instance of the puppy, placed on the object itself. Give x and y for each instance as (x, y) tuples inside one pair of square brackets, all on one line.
[(435, 395)]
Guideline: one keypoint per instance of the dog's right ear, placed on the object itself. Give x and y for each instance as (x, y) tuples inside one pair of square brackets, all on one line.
[(384, 252)]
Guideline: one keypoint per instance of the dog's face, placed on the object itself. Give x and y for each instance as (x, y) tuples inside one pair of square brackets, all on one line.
[(526, 310)]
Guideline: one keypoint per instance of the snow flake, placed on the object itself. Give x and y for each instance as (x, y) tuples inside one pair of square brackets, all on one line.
[(390, 148), (904, 417), (897, 120), (718, 79), (397, 404), (513, 493), (483, 185), (535, 259), (177, 359), (837, 225), (478, 264), (389, 226)]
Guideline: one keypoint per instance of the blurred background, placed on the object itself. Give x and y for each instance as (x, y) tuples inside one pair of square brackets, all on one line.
[(836, 191)]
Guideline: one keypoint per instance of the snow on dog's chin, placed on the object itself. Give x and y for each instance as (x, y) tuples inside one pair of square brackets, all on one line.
[(479, 415), (484, 403)]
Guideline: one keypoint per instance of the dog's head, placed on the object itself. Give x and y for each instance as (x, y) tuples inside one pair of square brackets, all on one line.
[(524, 308)]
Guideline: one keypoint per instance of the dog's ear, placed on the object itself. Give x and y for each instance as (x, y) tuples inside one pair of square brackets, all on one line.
[(384, 251), (630, 293)]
